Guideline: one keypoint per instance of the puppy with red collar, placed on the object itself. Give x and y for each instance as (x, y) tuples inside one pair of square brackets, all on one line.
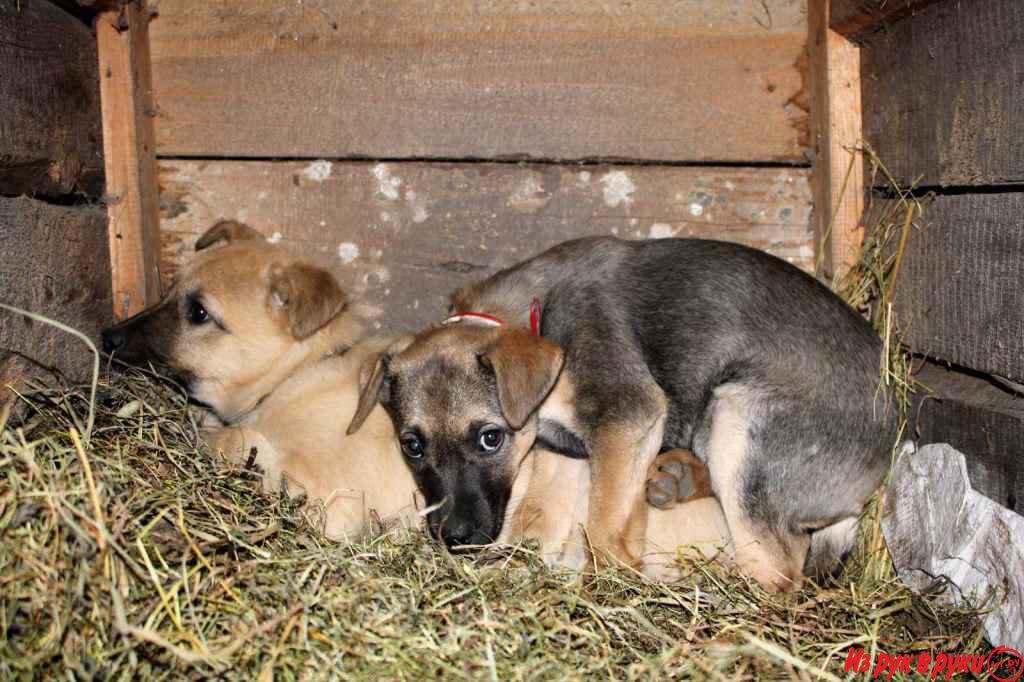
[(752, 364)]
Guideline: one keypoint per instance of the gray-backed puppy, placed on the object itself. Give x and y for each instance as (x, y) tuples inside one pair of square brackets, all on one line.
[(725, 350)]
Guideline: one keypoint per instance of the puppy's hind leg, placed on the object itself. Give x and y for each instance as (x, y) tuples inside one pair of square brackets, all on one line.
[(830, 546), (769, 555)]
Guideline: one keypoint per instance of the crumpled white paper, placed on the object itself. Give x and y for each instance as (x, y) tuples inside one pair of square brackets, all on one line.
[(937, 525)]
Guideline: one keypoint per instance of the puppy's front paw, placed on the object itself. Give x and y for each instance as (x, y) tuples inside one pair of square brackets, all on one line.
[(676, 476), (613, 553)]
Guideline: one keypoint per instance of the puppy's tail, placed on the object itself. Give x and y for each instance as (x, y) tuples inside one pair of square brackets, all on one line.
[(829, 548)]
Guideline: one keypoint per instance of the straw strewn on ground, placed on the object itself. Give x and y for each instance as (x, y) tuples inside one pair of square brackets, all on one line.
[(171, 563)]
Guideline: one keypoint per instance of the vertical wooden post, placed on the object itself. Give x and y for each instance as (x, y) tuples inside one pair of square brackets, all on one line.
[(130, 156), (838, 176)]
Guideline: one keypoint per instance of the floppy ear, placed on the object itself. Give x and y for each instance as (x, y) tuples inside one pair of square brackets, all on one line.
[(226, 231), (308, 296), (526, 368), (372, 376), (373, 380)]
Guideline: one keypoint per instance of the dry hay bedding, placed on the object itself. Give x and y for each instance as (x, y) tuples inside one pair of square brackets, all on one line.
[(171, 564), (136, 553)]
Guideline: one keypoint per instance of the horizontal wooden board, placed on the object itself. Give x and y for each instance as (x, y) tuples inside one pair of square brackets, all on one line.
[(958, 297), (53, 261), (941, 94), (50, 135), (405, 235), (984, 422), (853, 17), (448, 79)]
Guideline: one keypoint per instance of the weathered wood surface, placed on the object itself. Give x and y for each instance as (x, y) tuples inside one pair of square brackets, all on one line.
[(838, 175), (984, 422), (405, 235), (130, 153), (53, 261), (461, 79), (958, 297), (853, 17), (50, 135), (941, 96)]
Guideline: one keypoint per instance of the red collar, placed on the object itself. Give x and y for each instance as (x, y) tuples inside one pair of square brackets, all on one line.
[(492, 321)]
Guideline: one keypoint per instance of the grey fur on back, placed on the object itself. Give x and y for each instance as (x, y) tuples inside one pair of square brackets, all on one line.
[(699, 315)]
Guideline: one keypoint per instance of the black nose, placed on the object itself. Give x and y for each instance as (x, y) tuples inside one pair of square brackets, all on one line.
[(458, 532), (113, 339)]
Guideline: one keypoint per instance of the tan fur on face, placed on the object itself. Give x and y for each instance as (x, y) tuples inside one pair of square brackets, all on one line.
[(265, 341), (282, 374)]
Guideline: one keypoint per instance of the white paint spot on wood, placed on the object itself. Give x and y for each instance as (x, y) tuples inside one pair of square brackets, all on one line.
[(387, 184), (274, 238), (615, 231), (696, 208), (618, 188), (806, 253), (583, 178), (730, 185), (347, 252), (633, 222), (419, 208), (529, 196), (661, 231), (262, 195), (318, 171)]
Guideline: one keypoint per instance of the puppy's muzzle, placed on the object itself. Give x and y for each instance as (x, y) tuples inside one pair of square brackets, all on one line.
[(455, 531)]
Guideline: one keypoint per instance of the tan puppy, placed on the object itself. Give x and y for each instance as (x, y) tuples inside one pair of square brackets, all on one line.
[(266, 341)]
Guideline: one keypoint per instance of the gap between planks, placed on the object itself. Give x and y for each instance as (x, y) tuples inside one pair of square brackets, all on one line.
[(501, 161)]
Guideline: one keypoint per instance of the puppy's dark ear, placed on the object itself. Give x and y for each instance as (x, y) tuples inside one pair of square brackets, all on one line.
[(525, 368), (226, 231), (308, 297), (372, 379)]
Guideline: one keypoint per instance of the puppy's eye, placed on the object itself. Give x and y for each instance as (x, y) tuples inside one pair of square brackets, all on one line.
[(490, 438), (196, 312), (412, 446)]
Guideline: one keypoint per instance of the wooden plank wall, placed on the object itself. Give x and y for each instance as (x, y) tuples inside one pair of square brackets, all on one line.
[(404, 235), (562, 79), (942, 109), (418, 145), (122, 33), (53, 244), (47, 79)]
